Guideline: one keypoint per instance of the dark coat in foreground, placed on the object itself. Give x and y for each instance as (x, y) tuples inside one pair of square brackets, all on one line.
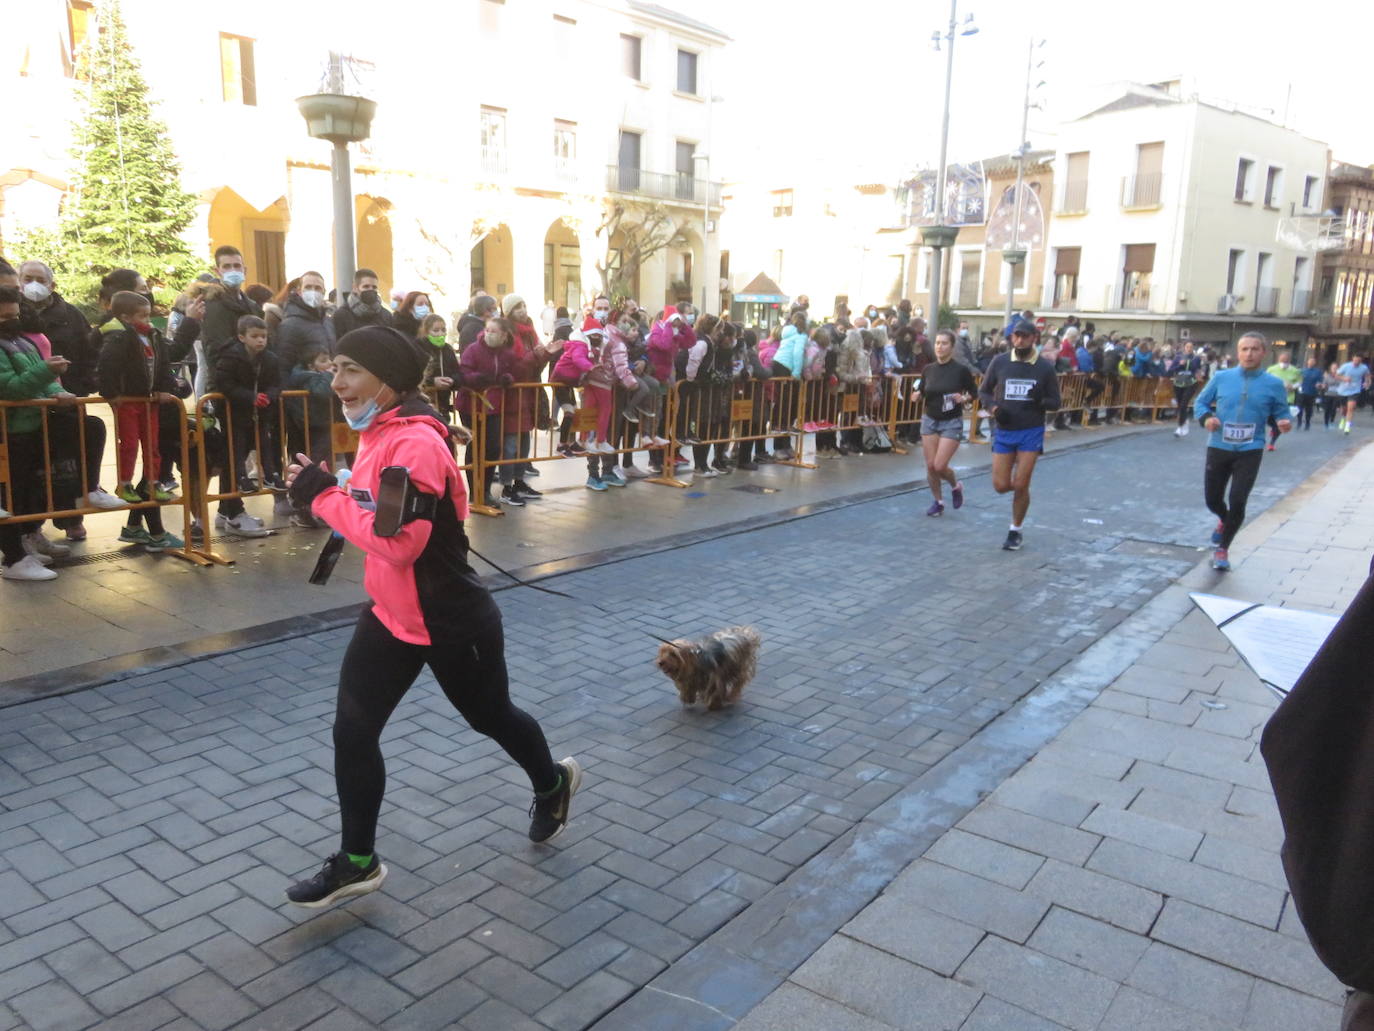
[(1319, 747)]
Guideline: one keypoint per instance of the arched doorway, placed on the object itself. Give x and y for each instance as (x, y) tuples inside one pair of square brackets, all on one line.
[(374, 245), (493, 262), (562, 266), (260, 234)]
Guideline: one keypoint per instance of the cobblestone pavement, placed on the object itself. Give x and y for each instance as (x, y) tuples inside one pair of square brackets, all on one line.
[(150, 826)]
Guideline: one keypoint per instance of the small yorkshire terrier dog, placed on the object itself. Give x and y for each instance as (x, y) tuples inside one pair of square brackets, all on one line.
[(714, 668)]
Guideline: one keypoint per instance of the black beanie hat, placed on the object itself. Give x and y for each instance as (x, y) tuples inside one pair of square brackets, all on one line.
[(386, 353)]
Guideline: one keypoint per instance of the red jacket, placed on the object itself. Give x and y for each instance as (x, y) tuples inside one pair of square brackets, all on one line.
[(485, 370)]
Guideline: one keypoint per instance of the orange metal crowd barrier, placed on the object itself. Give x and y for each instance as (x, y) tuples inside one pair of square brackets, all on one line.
[(62, 437)]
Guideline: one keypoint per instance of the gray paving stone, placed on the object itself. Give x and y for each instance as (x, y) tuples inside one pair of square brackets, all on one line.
[(53, 1006), (211, 1002), (1136, 1009), (1088, 943), (985, 858), (1046, 986), (884, 987), (794, 1008), (144, 984), (364, 992), (1145, 831), (1193, 983), (1275, 1008), (993, 1014), (1244, 946), (969, 899), (915, 933), (1248, 900), (1031, 833), (1096, 895)]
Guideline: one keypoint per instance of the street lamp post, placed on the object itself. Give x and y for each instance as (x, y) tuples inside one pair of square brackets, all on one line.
[(939, 236), (342, 120)]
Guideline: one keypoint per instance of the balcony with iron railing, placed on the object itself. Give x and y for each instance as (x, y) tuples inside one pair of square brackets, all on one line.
[(494, 160), (1266, 300), (1228, 304), (670, 186), (1139, 192), (1074, 198)]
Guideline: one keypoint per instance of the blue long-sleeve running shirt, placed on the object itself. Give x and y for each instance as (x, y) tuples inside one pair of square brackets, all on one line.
[(1243, 401)]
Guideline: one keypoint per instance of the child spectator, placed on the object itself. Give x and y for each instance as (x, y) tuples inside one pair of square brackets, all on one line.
[(248, 375), (134, 363)]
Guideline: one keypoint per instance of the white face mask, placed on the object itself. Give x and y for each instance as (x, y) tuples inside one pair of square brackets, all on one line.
[(314, 298), (37, 292), (420, 310), (602, 314)]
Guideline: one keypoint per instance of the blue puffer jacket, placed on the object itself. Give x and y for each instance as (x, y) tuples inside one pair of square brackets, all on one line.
[(792, 350)]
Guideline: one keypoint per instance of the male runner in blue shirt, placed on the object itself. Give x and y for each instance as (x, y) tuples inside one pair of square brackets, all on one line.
[(1234, 407)]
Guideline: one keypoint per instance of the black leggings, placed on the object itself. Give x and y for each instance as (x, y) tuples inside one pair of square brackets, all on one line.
[(377, 671), (1183, 398), (1306, 404), (1240, 468), (1330, 402)]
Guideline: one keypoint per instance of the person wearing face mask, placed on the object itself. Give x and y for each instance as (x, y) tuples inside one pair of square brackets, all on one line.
[(601, 309), (362, 307), (413, 310), (63, 324), (474, 320), (304, 325), (428, 608), (223, 309), (443, 375), (1019, 389)]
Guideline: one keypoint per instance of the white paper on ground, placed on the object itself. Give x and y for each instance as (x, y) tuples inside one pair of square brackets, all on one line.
[(1277, 643)]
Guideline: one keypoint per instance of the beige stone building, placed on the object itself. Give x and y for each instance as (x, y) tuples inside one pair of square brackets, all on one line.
[(503, 132), (1345, 291)]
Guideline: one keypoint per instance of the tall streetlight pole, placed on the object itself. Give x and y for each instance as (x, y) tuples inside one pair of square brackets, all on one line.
[(939, 235), (1014, 254), (341, 119)]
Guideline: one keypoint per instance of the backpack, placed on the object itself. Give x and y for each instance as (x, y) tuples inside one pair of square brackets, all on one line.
[(876, 440)]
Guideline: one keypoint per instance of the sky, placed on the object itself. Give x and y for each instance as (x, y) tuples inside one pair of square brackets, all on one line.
[(804, 89)]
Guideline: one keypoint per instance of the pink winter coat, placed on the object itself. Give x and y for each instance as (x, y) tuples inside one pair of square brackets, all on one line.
[(666, 339), (615, 363), (485, 370), (576, 361)]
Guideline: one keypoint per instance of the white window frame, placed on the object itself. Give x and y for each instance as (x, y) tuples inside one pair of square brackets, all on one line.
[(1251, 179), (1280, 185)]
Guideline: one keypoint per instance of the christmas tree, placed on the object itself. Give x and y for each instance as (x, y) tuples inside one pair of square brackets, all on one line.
[(126, 207)]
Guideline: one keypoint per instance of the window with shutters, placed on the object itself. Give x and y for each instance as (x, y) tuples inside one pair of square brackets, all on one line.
[(238, 73), (1075, 197), (1135, 276), (1066, 262)]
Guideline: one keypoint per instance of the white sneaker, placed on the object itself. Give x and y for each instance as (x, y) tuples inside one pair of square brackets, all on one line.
[(660, 441), (707, 473), (634, 472), (36, 544), (615, 474), (242, 525), (604, 448), (101, 498), (1183, 430), (566, 409), (28, 568), (4, 513)]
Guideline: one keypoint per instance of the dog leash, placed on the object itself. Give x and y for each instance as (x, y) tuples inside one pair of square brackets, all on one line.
[(549, 590)]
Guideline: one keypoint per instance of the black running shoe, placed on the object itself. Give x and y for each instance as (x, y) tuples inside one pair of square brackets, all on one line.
[(512, 497), (339, 878), (527, 492), (548, 816), (1013, 541)]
